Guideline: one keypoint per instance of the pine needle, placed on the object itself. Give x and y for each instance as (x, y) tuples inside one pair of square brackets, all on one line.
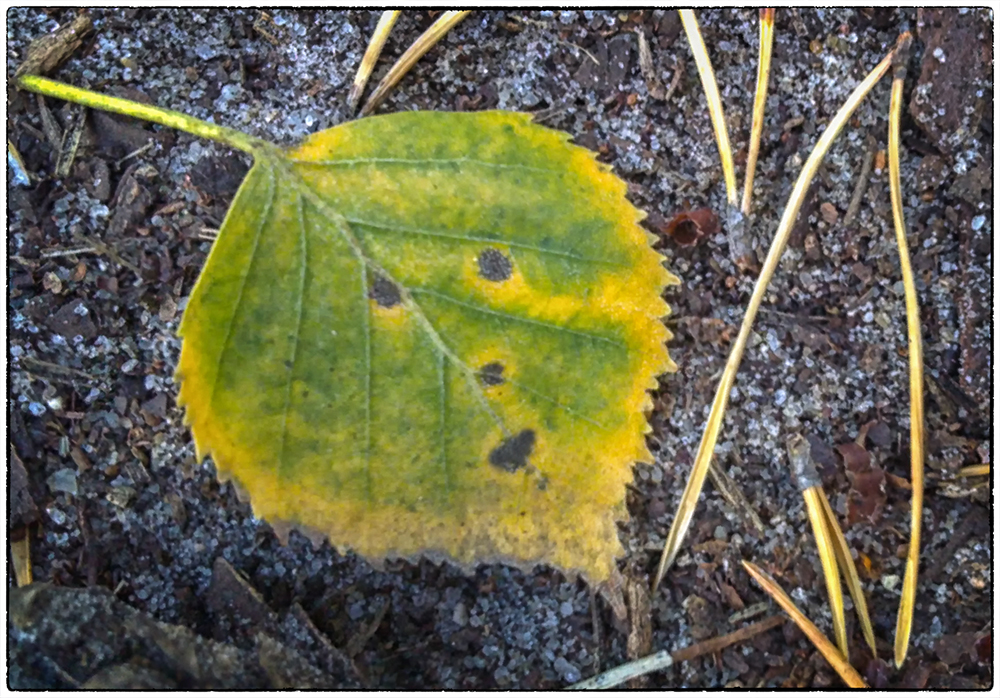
[(714, 102), (696, 479), (760, 98), (374, 50), (828, 559), (837, 661), (904, 620), (974, 470), (413, 54), (811, 485), (850, 570)]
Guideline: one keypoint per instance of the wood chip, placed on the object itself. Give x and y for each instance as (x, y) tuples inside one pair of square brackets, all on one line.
[(653, 84), (46, 53), (640, 632)]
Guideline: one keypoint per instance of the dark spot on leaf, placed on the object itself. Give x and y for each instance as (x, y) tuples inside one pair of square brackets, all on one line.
[(491, 374), (494, 265), (288, 364), (513, 452), (384, 292)]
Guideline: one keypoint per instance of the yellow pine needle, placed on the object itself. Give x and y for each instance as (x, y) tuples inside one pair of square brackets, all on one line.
[(837, 661), (974, 470), (850, 570), (20, 553), (828, 559), (714, 102), (689, 500), (413, 54), (904, 620), (372, 53), (760, 97)]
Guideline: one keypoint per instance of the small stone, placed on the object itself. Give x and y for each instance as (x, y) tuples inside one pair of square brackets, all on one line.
[(63, 480), (829, 212), (889, 581)]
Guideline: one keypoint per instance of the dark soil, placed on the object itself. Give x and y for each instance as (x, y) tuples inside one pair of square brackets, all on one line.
[(129, 527)]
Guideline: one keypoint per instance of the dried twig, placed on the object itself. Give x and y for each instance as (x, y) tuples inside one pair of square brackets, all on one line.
[(904, 619), (653, 84), (109, 252), (862, 184), (732, 493), (71, 140), (696, 479), (664, 659)]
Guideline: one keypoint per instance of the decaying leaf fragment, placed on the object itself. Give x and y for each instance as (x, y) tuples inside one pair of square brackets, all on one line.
[(431, 333)]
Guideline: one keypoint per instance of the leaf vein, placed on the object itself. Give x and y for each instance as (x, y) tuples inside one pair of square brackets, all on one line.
[(482, 238), (298, 330), (568, 410), (366, 314), (264, 218), (416, 162), (514, 318), (365, 262)]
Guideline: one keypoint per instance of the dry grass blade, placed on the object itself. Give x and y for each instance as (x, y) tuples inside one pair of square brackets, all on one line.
[(828, 559), (714, 102), (760, 97), (413, 54), (372, 53), (850, 570), (706, 448), (837, 661), (904, 620)]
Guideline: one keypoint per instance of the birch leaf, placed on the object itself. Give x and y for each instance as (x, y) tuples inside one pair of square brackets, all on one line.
[(431, 334)]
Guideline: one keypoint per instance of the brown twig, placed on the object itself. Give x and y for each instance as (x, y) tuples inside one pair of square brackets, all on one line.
[(663, 659), (717, 644)]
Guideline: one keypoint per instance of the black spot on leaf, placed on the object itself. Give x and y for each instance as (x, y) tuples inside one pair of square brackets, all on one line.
[(494, 265), (513, 452), (491, 374), (384, 292)]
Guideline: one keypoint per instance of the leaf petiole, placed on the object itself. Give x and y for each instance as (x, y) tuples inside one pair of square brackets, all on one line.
[(157, 115)]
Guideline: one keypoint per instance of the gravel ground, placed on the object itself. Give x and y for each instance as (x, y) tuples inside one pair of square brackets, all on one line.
[(123, 505)]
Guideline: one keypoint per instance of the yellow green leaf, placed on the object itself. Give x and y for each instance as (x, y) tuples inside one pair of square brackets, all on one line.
[(431, 333)]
